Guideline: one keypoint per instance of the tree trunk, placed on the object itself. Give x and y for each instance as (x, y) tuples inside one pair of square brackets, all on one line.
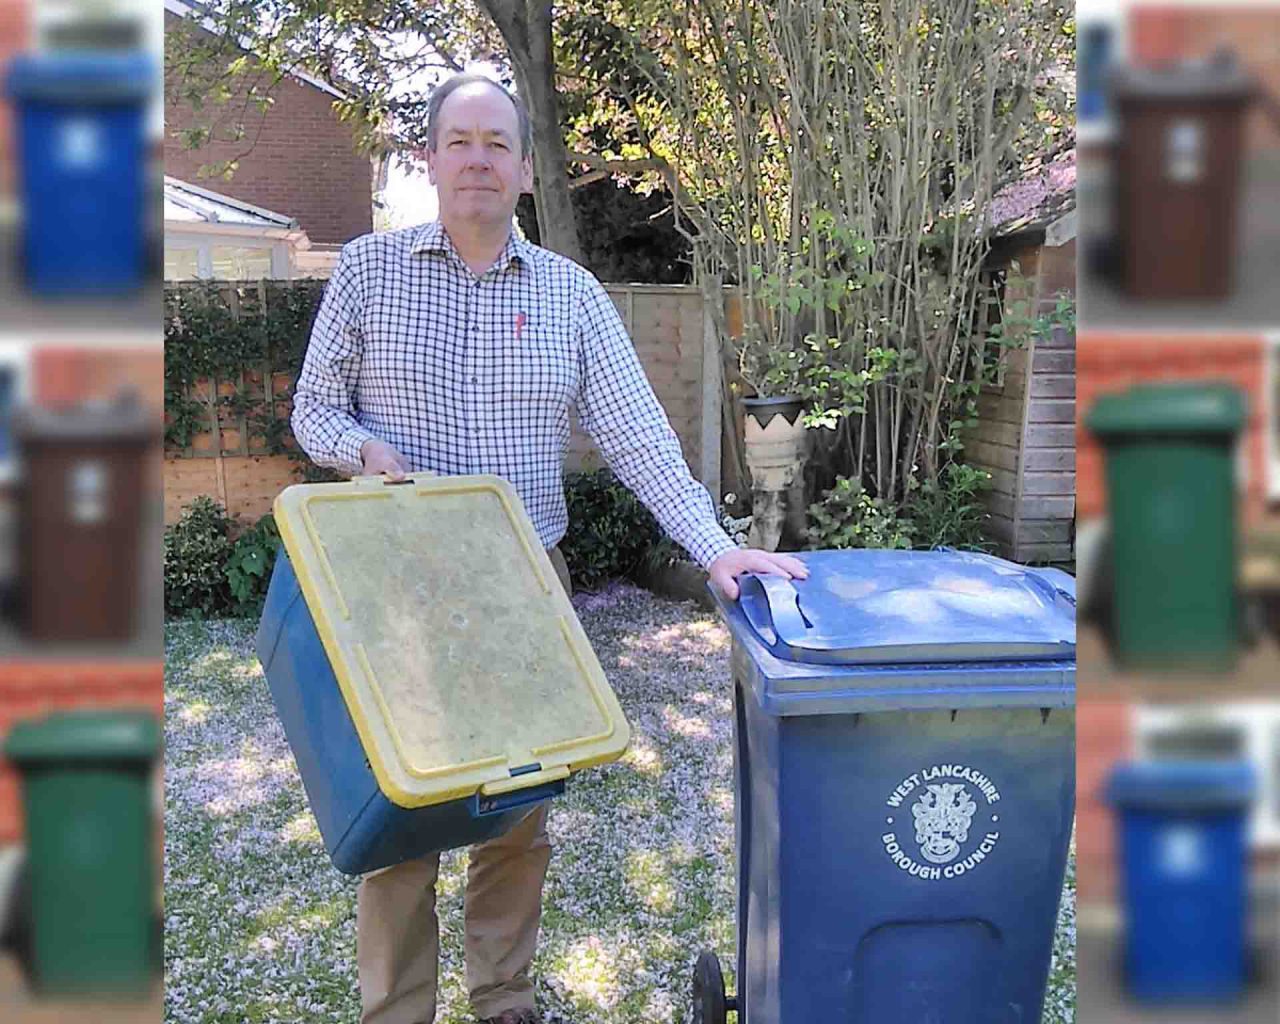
[(526, 29)]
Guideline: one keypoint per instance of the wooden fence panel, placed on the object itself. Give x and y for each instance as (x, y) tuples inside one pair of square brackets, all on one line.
[(666, 324)]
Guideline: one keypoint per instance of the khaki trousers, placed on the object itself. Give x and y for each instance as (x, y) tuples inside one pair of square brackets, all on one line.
[(397, 932)]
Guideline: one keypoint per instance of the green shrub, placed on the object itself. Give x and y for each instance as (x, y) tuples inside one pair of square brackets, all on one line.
[(206, 573), (610, 532), (946, 513), (848, 517), (949, 512), (249, 565), (196, 552)]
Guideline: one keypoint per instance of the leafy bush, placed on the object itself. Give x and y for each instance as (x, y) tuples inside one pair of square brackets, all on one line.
[(196, 552), (249, 565), (949, 512), (206, 573), (610, 532), (848, 517)]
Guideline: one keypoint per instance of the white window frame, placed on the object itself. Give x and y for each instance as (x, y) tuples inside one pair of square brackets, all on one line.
[(1258, 725), (204, 261), (271, 249), (280, 251)]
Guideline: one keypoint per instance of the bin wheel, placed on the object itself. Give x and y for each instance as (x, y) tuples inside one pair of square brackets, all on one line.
[(708, 991)]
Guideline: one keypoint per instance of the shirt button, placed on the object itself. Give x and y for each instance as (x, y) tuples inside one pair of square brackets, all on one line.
[(475, 380)]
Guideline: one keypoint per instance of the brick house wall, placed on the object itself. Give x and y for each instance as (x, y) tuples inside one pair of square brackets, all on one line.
[(1104, 737), (33, 689), (14, 26), (303, 164), (1107, 363), (1165, 33)]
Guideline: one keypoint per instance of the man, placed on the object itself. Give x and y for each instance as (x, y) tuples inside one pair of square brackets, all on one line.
[(457, 347)]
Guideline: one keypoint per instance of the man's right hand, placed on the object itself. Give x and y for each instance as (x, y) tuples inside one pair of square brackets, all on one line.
[(379, 457)]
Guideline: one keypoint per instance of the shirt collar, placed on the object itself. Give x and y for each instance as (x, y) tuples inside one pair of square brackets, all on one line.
[(432, 237)]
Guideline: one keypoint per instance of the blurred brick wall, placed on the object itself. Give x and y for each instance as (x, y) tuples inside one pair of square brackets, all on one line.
[(13, 37), (303, 163), (1159, 34), (63, 376), (1106, 363), (1104, 736), (31, 689)]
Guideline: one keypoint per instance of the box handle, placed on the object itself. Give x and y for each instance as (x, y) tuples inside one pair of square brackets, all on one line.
[(525, 780), (504, 794)]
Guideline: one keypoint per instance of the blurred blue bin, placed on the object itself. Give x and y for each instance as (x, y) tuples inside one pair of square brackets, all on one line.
[(905, 776), (80, 125), (1182, 841)]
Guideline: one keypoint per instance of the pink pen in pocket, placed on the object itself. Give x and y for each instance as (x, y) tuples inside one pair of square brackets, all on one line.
[(520, 319)]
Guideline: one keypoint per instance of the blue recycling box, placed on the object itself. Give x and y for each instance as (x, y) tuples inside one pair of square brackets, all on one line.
[(905, 780), (81, 140), (428, 669), (1182, 841)]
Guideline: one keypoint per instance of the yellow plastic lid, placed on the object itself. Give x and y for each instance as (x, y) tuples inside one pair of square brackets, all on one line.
[(460, 658)]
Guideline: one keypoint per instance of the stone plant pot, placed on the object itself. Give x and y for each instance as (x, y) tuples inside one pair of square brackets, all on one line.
[(775, 448)]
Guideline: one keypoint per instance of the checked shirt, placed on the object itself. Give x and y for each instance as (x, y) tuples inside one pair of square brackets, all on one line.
[(465, 375)]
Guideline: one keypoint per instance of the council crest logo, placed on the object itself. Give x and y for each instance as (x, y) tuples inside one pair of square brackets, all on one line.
[(943, 815)]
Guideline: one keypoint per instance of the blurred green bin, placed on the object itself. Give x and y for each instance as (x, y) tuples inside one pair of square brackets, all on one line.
[(86, 794), (1172, 496)]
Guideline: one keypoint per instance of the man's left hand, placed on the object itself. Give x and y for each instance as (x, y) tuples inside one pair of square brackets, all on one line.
[(732, 564)]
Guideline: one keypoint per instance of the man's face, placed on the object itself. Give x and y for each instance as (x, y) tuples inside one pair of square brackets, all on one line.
[(476, 165)]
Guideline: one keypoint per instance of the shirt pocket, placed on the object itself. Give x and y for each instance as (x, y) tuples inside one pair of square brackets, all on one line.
[(542, 365)]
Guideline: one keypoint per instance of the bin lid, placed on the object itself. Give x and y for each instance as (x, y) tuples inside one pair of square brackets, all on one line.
[(122, 420), (1206, 80), (1168, 409), (458, 653), (1178, 785), (81, 76), (910, 607), (85, 736)]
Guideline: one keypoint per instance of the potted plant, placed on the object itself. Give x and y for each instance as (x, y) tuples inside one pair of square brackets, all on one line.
[(774, 439)]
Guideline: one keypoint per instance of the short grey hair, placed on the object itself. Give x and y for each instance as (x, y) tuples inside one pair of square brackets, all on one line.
[(442, 91)]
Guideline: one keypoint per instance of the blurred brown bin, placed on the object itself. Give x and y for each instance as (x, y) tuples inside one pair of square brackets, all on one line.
[(1178, 177), (80, 518)]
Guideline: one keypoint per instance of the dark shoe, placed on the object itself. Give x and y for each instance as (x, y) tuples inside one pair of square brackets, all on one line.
[(520, 1016)]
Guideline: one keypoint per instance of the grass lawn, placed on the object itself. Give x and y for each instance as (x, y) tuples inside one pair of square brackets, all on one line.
[(260, 927)]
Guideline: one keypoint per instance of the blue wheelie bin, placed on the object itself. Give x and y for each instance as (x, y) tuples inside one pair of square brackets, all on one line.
[(905, 782), (1182, 841), (80, 120)]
